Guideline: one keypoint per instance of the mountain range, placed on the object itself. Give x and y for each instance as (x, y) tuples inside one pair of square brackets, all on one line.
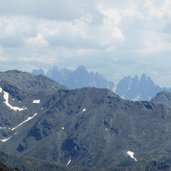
[(45, 126), (77, 78), (130, 88), (135, 88)]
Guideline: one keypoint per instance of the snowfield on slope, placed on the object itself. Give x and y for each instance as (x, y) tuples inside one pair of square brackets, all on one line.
[(6, 98)]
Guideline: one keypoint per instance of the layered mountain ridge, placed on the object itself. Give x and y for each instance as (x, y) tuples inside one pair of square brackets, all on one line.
[(87, 128), (77, 78), (130, 88)]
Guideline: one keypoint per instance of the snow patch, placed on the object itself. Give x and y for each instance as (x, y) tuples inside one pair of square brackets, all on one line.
[(131, 154), (84, 110), (136, 98), (6, 97), (28, 119), (5, 139), (129, 85), (36, 101), (68, 162)]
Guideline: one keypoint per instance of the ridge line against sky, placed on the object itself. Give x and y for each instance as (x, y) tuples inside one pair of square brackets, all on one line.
[(112, 37)]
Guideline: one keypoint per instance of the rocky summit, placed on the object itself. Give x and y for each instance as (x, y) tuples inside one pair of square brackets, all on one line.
[(135, 88), (44, 126)]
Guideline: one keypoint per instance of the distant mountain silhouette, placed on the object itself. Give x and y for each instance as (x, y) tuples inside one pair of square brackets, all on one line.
[(130, 88), (135, 88), (78, 78)]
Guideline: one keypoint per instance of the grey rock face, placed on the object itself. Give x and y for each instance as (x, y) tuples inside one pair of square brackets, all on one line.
[(26, 82), (130, 88), (135, 88), (19, 99), (79, 129), (78, 78), (163, 98), (82, 128)]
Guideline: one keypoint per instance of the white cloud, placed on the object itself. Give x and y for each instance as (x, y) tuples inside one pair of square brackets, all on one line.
[(37, 41), (2, 58), (115, 37)]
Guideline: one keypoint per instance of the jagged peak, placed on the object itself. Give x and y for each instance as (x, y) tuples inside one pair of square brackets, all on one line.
[(81, 68)]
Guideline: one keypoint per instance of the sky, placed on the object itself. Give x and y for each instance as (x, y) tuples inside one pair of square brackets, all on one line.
[(114, 37)]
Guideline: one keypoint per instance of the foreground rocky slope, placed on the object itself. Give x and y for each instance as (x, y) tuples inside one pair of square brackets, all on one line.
[(88, 128), (20, 95), (5, 168), (163, 98)]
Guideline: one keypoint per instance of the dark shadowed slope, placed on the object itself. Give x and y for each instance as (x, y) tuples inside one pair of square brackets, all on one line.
[(163, 98), (88, 128)]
